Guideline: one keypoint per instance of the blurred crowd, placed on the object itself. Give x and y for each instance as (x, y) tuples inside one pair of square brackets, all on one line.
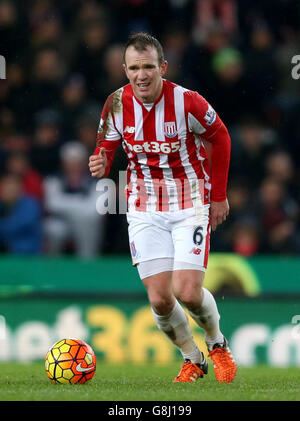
[(62, 60)]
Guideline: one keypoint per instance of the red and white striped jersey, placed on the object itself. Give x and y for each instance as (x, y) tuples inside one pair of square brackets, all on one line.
[(168, 165)]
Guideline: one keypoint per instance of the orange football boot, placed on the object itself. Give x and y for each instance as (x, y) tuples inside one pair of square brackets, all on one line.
[(190, 372), (223, 361)]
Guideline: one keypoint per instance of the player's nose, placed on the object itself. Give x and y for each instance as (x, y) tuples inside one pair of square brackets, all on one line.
[(142, 75)]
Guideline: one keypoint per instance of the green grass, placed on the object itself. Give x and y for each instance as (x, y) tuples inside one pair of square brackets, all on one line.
[(28, 382)]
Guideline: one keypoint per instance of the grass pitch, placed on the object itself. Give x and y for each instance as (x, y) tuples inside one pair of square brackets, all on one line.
[(28, 382)]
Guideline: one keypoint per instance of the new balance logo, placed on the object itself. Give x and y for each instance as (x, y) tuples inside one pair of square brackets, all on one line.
[(129, 129), (195, 250)]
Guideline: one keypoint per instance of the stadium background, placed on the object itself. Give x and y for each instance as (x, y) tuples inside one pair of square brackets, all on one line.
[(65, 271)]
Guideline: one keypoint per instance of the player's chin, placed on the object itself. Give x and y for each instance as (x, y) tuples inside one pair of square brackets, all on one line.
[(144, 92)]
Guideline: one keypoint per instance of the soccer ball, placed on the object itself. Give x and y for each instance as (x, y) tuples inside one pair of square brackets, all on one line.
[(70, 361)]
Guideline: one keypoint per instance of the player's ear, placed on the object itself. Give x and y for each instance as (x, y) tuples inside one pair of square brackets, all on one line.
[(163, 68), (125, 70)]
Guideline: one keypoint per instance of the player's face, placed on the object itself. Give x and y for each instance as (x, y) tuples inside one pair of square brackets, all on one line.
[(144, 73)]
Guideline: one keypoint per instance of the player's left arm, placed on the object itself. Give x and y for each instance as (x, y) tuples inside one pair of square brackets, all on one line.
[(217, 142), (218, 147)]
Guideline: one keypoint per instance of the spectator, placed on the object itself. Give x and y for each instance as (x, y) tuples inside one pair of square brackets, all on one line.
[(73, 103), (32, 183), (113, 75), (4, 104), (48, 73), (70, 202), (86, 131), (175, 41), (20, 218), (245, 238), (17, 100), (279, 165), (44, 153), (13, 143), (197, 62), (262, 80), (7, 122), (277, 214), (90, 53), (239, 199), (251, 143), (229, 93), (210, 13), (13, 29), (46, 27)]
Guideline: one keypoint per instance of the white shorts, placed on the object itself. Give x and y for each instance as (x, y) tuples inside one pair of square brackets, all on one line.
[(180, 238)]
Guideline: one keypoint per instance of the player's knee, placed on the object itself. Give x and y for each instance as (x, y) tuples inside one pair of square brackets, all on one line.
[(187, 298), (189, 293), (161, 304)]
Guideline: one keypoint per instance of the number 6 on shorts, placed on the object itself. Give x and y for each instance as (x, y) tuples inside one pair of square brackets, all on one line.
[(197, 236)]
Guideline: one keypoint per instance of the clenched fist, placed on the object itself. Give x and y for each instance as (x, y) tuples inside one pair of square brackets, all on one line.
[(97, 164)]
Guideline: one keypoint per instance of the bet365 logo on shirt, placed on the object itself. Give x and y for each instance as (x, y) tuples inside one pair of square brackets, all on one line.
[(141, 146)]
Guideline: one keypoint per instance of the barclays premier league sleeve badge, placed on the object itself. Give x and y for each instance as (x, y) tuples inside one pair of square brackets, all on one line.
[(210, 116)]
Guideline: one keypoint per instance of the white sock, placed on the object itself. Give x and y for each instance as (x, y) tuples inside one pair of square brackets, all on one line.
[(176, 327), (208, 318)]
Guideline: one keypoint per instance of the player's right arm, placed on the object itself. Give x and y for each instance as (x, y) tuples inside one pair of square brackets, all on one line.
[(98, 163), (108, 141)]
